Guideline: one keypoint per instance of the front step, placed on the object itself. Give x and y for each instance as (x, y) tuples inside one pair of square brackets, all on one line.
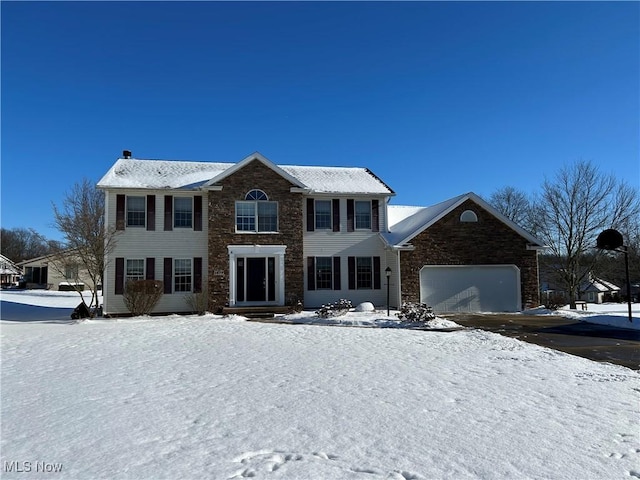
[(255, 312)]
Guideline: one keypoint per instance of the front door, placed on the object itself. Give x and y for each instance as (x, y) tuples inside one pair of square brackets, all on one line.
[(255, 279)]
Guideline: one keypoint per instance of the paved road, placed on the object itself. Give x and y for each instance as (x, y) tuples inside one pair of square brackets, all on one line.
[(18, 312), (596, 342)]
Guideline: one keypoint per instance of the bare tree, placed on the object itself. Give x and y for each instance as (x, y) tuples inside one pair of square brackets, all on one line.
[(20, 244), (81, 221), (574, 207), (513, 204)]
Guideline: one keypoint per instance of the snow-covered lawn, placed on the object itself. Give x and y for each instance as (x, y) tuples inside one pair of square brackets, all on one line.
[(188, 397)]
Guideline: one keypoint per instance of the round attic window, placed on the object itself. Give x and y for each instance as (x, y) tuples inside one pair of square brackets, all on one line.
[(468, 216)]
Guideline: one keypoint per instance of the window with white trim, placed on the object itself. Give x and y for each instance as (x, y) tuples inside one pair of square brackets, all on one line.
[(323, 214), (364, 273), (324, 273), (363, 214), (134, 270), (136, 213), (256, 213), (182, 275), (183, 212), (468, 216), (71, 271)]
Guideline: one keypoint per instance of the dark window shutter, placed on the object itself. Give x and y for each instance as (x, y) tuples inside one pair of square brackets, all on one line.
[(168, 212), (311, 273), (311, 215), (197, 274), (150, 274), (151, 212), (376, 273), (168, 275), (352, 273), (120, 212), (119, 275), (336, 273), (350, 215), (335, 206), (197, 213), (375, 216)]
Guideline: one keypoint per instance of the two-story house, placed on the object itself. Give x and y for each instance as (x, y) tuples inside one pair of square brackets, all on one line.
[(260, 234)]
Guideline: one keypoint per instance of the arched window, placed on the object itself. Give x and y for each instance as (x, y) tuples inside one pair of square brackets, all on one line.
[(256, 195), (468, 216), (256, 213)]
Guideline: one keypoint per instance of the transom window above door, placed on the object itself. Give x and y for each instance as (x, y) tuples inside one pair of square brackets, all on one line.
[(256, 214)]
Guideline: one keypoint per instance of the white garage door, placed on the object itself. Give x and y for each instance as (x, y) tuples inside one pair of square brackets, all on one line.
[(470, 288)]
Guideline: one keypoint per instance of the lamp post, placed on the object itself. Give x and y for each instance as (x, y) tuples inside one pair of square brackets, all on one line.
[(387, 272), (612, 240)]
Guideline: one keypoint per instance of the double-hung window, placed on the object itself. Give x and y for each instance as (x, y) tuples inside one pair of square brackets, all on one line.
[(182, 212), (364, 273), (256, 213), (136, 211), (182, 275), (363, 214), (324, 273), (71, 271), (134, 269), (323, 214)]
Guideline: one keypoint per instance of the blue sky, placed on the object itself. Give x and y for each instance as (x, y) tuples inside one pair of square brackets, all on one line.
[(436, 98)]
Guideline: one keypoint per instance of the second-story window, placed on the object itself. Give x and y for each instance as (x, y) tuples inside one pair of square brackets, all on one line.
[(182, 212), (135, 211), (363, 214), (323, 214), (256, 213)]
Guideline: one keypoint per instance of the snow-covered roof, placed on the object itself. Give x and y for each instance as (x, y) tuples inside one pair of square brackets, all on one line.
[(160, 174), (407, 222), (174, 174), (7, 267), (600, 285)]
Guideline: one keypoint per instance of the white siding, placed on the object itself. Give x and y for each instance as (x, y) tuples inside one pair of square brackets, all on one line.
[(137, 242), (343, 244)]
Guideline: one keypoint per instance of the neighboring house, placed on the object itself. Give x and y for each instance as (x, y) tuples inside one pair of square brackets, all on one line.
[(254, 233), (596, 290), (592, 289), (10, 273), (62, 271)]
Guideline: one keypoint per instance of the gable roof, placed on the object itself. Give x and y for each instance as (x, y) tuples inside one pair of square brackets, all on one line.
[(176, 174), (599, 285), (8, 267), (255, 157), (403, 228)]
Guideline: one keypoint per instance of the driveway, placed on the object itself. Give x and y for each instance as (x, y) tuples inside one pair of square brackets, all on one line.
[(18, 312), (595, 342)]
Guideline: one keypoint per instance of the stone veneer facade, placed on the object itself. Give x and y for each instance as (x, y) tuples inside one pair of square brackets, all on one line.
[(222, 229), (452, 242)]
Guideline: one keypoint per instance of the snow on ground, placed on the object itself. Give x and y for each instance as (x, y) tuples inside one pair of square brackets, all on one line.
[(212, 397), (613, 314)]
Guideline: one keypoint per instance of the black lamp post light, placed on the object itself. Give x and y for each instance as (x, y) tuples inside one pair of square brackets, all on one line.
[(612, 239), (387, 272)]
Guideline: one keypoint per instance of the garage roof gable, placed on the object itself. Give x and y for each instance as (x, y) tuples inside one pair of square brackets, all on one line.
[(407, 228)]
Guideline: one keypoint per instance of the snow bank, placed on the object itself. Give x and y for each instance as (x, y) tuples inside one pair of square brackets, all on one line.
[(612, 314), (206, 397)]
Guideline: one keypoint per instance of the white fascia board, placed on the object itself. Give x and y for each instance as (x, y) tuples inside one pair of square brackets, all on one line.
[(261, 158)]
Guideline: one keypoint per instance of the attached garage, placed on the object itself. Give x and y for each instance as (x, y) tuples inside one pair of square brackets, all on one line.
[(471, 288)]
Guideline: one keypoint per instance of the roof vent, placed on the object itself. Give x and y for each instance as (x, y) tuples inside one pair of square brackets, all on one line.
[(126, 154)]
